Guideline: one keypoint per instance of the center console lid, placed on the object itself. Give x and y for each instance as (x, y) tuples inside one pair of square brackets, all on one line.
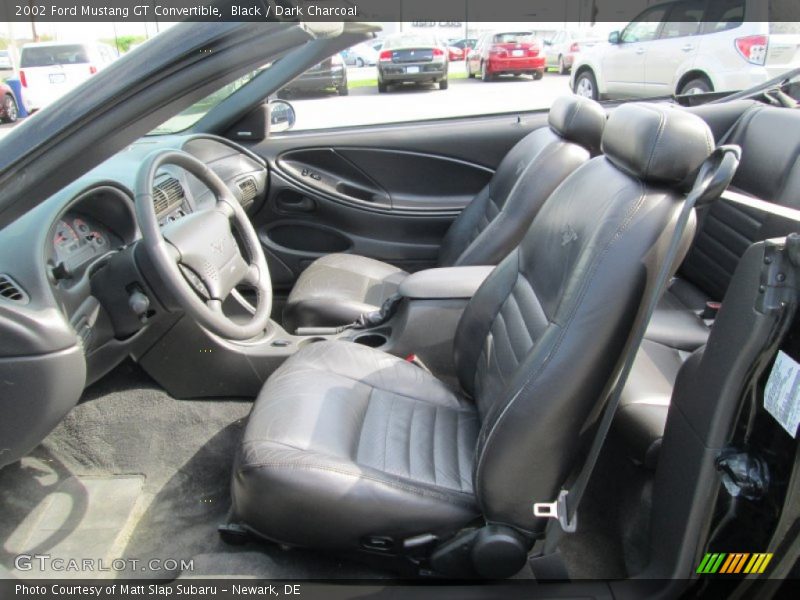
[(450, 282)]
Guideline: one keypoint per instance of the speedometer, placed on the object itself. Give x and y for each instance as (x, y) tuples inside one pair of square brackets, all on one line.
[(65, 239)]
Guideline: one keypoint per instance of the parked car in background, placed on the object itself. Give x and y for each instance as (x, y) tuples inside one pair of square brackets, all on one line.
[(455, 54), (689, 48), (466, 44), (8, 104), (330, 74), (6, 63), (506, 53), (412, 58), (48, 70), (561, 50), (360, 55)]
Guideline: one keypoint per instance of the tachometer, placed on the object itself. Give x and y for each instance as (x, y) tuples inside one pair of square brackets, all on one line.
[(93, 236)]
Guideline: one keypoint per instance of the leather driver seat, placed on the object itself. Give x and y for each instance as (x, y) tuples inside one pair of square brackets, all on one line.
[(347, 445), (336, 289)]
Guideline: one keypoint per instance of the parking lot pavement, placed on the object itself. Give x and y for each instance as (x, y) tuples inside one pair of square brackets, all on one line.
[(464, 97)]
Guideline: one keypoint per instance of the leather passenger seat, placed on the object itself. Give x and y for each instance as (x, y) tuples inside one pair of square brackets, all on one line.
[(336, 289), (770, 142), (347, 445)]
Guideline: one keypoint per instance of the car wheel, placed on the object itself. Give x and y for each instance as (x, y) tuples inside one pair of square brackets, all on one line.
[(537, 75), (443, 84), (470, 74), (343, 91), (359, 62), (586, 85), (699, 85), (485, 75), (10, 108), (562, 66), (382, 87)]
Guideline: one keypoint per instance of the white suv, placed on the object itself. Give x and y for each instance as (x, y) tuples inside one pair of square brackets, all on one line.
[(48, 70), (690, 47)]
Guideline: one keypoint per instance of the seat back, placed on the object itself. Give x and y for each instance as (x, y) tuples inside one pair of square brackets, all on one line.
[(770, 142), (539, 341), (495, 221)]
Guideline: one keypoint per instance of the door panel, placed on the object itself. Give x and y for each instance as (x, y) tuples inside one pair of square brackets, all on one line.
[(623, 69), (624, 63), (421, 181), (386, 179), (387, 192), (675, 49)]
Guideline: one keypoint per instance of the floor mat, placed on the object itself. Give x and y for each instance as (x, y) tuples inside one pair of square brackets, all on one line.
[(183, 452), (83, 517), (278, 564)]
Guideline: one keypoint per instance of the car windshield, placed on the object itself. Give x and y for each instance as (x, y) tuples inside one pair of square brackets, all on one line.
[(46, 56), (513, 37), (198, 110), (407, 41)]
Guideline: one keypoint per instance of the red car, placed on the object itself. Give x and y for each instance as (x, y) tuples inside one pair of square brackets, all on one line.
[(454, 53), (8, 104), (506, 53)]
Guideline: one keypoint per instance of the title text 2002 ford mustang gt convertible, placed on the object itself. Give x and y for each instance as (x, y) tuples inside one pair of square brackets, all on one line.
[(555, 346)]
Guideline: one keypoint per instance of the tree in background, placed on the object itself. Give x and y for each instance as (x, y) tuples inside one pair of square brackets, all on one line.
[(123, 43)]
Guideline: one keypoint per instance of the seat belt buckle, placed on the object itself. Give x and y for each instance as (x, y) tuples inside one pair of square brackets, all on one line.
[(417, 362), (557, 510)]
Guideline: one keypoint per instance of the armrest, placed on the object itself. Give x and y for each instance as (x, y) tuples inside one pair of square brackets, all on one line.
[(450, 282)]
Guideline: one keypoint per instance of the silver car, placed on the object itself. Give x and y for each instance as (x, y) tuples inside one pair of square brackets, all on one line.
[(561, 50), (686, 48)]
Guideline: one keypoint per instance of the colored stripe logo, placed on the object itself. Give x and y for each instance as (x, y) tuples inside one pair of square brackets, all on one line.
[(734, 562)]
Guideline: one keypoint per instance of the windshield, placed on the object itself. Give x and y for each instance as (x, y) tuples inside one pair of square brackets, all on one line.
[(198, 110), (408, 41), (47, 56), (514, 37)]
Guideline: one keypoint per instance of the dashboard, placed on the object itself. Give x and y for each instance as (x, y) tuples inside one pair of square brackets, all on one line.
[(73, 259), (77, 295)]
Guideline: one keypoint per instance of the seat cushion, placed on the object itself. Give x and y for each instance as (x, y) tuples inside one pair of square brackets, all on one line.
[(676, 321), (336, 289), (642, 413), (346, 442)]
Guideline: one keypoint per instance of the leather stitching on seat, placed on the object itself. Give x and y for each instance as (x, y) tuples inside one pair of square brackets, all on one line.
[(659, 133), (375, 387), (588, 280), (464, 498)]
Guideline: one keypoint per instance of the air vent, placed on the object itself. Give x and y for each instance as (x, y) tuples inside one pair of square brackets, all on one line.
[(10, 290), (167, 195), (249, 189)]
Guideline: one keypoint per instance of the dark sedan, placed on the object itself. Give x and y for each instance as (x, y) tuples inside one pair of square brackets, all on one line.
[(9, 112), (330, 74), (412, 59)]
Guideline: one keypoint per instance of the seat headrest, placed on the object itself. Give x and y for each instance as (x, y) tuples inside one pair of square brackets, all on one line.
[(657, 143), (578, 120)]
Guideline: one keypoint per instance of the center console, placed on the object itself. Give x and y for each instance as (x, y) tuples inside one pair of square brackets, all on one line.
[(190, 362)]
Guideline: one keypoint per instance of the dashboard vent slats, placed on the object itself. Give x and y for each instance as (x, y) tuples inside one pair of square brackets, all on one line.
[(249, 190), (10, 290), (167, 195)]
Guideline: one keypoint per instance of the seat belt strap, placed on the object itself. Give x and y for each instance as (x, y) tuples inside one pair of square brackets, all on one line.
[(713, 178)]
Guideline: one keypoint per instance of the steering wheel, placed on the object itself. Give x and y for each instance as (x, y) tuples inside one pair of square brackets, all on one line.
[(198, 257)]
